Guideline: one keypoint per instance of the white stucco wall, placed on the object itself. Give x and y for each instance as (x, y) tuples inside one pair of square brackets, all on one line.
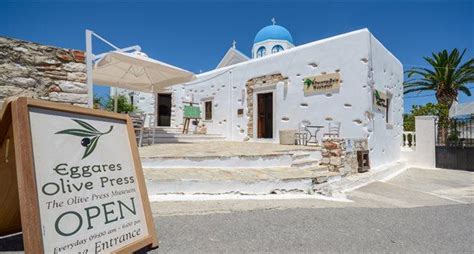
[(425, 150), (144, 101), (351, 54), (385, 139)]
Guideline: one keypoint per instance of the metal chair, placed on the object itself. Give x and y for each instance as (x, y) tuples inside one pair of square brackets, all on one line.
[(333, 130), (301, 135), (138, 121), (151, 127)]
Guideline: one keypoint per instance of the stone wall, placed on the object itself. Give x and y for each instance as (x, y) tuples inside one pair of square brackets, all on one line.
[(338, 157), (44, 72), (251, 85), (333, 153)]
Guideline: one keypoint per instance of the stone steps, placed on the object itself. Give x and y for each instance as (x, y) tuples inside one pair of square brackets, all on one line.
[(303, 160), (173, 136), (211, 171), (180, 135), (301, 156), (187, 139), (218, 161), (305, 163), (165, 130), (248, 181)]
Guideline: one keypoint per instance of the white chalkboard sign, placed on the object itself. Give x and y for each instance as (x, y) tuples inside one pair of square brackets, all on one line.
[(80, 183)]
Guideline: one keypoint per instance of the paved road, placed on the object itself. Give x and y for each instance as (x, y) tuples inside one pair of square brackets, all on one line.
[(417, 211), (441, 229)]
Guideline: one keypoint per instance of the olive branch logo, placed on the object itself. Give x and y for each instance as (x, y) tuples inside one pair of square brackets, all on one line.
[(378, 99), (89, 134), (308, 82)]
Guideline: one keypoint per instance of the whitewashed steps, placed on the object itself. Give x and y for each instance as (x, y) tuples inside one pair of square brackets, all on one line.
[(295, 159), (301, 156), (218, 161), (304, 160), (305, 163), (186, 138), (174, 135), (247, 181), (167, 130), (294, 171)]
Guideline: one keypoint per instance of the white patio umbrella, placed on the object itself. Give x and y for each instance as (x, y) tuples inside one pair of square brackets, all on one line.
[(135, 71)]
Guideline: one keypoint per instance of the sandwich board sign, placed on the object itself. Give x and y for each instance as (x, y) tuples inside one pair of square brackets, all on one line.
[(73, 180)]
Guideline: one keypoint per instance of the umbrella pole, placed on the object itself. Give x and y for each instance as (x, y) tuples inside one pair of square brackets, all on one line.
[(89, 63), (155, 114), (115, 100)]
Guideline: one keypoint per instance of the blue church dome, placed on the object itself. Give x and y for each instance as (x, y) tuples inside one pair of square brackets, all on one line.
[(273, 32)]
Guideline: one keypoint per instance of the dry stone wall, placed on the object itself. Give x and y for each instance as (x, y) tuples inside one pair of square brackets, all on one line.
[(333, 153), (336, 156), (40, 71), (340, 155)]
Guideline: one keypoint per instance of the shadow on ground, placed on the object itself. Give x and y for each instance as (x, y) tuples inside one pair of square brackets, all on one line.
[(12, 243)]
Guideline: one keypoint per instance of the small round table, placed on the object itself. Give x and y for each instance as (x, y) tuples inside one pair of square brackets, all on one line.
[(316, 129)]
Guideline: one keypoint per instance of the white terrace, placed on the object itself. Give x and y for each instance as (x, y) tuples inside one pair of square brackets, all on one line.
[(221, 167)]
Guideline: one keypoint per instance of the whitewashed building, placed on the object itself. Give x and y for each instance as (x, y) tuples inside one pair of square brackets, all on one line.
[(282, 84)]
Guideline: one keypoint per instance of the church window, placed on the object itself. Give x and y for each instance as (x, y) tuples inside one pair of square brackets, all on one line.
[(277, 48), (261, 51)]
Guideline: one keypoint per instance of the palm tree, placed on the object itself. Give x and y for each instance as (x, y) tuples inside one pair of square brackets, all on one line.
[(447, 79)]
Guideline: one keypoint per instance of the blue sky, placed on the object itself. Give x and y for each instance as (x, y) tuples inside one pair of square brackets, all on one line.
[(195, 35)]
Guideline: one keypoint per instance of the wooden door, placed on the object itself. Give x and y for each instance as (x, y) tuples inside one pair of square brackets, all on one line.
[(265, 115)]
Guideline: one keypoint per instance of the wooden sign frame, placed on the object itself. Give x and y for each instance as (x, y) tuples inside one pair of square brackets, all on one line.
[(22, 196)]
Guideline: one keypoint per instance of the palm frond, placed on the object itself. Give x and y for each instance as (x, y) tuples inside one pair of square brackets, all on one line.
[(465, 90), (418, 84), (418, 71), (446, 78), (418, 89)]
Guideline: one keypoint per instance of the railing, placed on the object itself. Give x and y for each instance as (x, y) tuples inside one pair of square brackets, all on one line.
[(409, 139), (456, 133)]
